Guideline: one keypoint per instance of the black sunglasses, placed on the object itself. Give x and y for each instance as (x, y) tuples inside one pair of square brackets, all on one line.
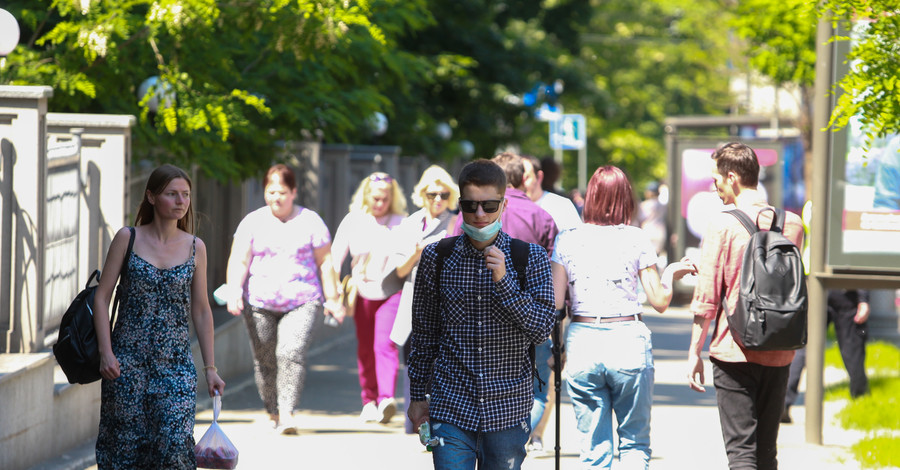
[(432, 196), (490, 206)]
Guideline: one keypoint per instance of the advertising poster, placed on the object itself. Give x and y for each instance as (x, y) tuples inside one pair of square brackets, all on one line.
[(864, 215)]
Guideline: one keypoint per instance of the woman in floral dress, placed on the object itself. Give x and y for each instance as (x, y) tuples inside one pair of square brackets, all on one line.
[(148, 392)]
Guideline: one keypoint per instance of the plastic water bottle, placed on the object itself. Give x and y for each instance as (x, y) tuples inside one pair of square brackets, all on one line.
[(426, 439)]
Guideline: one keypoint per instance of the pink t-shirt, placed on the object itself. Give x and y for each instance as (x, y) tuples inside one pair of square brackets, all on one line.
[(283, 273), (720, 263)]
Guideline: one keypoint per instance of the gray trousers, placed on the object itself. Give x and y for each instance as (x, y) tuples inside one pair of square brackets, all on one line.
[(280, 341)]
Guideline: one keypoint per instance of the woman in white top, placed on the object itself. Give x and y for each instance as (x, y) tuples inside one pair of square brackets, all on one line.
[(609, 366), (366, 233), (437, 194)]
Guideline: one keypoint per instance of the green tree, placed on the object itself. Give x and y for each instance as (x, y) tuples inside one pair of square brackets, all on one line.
[(644, 61), (870, 88), (241, 73)]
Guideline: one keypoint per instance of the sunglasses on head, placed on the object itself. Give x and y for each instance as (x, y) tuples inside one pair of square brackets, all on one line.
[(432, 196), (490, 206), (381, 177)]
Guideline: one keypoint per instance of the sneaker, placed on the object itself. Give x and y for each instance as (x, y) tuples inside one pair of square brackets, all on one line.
[(536, 445), (286, 426), (386, 410), (369, 413)]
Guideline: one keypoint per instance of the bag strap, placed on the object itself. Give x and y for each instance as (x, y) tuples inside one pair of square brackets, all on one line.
[(744, 220), (123, 279), (520, 250), (778, 218)]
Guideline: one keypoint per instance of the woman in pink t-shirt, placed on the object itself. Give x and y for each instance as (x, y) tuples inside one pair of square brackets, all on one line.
[(277, 254), (366, 233)]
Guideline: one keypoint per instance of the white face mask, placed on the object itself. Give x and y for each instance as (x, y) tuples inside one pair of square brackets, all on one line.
[(482, 234)]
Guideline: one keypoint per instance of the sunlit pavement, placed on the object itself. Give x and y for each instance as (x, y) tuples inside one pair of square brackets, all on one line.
[(685, 426)]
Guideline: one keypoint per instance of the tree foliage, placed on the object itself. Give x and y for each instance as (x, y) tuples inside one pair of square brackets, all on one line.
[(243, 73), (237, 75), (871, 88), (644, 61), (780, 35)]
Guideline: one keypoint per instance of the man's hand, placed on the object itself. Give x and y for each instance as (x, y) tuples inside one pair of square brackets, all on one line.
[(695, 376), (862, 313), (418, 412), (496, 262)]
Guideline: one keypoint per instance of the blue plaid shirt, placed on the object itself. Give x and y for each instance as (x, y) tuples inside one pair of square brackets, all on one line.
[(470, 340)]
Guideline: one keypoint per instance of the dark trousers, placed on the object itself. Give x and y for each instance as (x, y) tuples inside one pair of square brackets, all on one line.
[(851, 338), (750, 398)]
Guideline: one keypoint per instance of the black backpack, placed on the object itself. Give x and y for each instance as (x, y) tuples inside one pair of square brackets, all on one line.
[(519, 250), (76, 348), (771, 311)]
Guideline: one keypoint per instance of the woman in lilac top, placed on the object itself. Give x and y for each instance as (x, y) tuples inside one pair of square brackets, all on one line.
[(366, 233), (277, 254)]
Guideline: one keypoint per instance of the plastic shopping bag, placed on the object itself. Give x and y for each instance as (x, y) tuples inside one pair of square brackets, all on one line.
[(215, 450)]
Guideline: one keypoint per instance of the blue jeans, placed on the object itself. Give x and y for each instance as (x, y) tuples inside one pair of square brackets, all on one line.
[(610, 370), (491, 450), (542, 354)]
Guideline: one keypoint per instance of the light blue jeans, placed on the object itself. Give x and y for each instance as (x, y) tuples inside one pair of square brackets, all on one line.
[(499, 450), (610, 370)]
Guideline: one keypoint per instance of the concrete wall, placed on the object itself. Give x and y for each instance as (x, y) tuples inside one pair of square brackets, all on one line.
[(22, 177)]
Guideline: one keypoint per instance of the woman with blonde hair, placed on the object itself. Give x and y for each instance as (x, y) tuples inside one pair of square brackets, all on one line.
[(149, 387), (366, 233), (437, 195)]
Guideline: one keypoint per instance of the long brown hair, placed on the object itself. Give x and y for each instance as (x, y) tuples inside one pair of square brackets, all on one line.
[(156, 184), (609, 199)]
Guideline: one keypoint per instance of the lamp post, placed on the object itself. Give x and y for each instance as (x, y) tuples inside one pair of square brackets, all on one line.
[(9, 35)]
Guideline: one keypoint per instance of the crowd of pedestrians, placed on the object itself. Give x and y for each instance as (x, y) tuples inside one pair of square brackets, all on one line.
[(464, 292)]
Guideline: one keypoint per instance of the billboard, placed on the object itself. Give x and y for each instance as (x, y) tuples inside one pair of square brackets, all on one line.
[(863, 229), (693, 198)]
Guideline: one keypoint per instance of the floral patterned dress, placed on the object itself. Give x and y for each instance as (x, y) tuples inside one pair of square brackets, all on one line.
[(147, 413)]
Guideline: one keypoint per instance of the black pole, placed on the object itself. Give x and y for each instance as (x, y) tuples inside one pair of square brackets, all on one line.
[(557, 350)]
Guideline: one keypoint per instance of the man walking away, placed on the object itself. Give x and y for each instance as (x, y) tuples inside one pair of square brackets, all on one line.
[(750, 385)]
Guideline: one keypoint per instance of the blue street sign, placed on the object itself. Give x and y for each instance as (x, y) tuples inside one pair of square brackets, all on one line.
[(568, 133)]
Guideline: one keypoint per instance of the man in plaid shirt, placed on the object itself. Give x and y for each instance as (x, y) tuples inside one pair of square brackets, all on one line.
[(473, 324)]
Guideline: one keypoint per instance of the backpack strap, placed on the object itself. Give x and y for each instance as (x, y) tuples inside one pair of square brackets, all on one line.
[(744, 219), (520, 250), (123, 279), (778, 218), (443, 249)]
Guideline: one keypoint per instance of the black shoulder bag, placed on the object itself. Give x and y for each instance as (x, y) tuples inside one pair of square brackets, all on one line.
[(76, 348)]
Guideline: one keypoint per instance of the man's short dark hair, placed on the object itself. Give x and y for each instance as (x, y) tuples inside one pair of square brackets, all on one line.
[(739, 158), (482, 172), (513, 167)]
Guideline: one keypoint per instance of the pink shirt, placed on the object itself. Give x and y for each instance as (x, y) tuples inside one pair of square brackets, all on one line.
[(283, 273), (721, 257)]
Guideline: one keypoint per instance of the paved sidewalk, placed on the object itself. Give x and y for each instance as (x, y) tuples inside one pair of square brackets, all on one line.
[(685, 427)]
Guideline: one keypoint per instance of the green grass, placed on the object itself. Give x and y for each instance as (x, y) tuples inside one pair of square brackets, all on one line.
[(878, 414), (878, 452)]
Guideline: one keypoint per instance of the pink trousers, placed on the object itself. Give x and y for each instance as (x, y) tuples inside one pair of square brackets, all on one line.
[(376, 354)]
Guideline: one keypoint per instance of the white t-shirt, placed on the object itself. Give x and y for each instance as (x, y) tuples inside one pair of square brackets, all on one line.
[(561, 209), (603, 262)]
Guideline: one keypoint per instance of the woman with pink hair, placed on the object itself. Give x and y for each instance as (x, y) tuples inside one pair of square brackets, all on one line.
[(609, 369)]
